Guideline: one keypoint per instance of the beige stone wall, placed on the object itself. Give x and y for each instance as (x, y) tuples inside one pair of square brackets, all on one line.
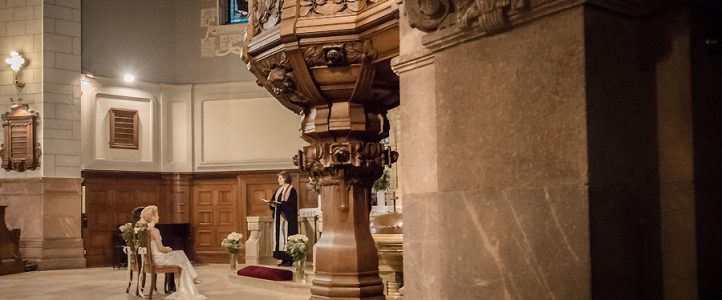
[(21, 27), (46, 208), (494, 171), (569, 157), (61, 88)]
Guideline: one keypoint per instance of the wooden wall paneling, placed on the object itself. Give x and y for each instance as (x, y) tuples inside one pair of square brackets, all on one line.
[(109, 200), (98, 239), (215, 215), (306, 198), (177, 197), (215, 204)]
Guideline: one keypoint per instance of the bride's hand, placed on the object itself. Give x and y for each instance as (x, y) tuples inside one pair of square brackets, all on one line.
[(169, 249)]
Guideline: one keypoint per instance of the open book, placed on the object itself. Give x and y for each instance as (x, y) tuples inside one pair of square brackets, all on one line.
[(270, 201)]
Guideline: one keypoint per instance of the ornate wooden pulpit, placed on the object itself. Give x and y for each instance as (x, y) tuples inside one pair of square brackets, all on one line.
[(330, 62)]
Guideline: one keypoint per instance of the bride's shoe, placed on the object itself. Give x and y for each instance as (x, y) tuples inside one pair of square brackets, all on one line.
[(197, 281)]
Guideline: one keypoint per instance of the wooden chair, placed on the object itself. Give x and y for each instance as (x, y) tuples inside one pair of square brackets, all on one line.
[(132, 265), (148, 266)]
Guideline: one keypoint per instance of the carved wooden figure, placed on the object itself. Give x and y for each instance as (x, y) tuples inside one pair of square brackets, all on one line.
[(19, 150), (330, 62)]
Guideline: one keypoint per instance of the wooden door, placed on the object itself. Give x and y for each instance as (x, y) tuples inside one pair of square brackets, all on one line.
[(215, 215)]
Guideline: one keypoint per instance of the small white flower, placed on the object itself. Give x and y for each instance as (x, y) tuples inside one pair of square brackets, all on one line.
[(136, 230)]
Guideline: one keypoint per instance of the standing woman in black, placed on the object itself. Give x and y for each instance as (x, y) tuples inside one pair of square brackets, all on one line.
[(284, 205)]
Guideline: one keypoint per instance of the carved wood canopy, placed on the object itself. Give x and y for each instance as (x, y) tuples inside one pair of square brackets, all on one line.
[(19, 151), (310, 54)]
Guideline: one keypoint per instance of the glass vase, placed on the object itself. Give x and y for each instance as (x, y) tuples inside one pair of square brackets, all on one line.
[(234, 259), (300, 274)]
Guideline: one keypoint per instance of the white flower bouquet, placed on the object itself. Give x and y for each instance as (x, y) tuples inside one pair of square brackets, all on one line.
[(126, 232), (134, 236), (141, 234), (296, 246), (233, 243)]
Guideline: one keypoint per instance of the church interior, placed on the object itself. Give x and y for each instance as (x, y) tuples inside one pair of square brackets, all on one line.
[(439, 149)]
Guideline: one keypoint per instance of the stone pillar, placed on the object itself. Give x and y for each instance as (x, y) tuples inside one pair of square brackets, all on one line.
[(46, 203), (563, 151)]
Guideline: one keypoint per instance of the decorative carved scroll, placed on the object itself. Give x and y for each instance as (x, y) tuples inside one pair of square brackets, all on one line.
[(19, 151), (123, 128), (339, 54), (266, 14)]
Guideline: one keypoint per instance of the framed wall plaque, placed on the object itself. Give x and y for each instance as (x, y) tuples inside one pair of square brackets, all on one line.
[(19, 151)]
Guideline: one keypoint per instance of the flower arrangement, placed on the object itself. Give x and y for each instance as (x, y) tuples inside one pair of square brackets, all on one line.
[(296, 246), (134, 236), (232, 243), (141, 234), (127, 233)]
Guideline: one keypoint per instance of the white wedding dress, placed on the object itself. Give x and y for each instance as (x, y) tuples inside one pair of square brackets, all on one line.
[(186, 289)]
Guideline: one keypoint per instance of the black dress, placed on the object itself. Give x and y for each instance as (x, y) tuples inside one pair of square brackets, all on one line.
[(287, 210)]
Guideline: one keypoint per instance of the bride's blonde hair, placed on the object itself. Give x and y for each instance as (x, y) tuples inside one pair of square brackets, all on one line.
[(147, 214)]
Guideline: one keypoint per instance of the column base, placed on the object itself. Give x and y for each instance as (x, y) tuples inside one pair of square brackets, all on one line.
[(364, 287)]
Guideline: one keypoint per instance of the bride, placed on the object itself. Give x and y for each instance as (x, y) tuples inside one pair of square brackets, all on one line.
[(165, 256)]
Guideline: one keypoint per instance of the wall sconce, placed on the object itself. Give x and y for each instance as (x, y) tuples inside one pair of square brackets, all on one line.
[(16, 62)]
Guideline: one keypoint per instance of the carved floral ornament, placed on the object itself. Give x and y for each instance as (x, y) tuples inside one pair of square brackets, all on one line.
[(332, 7), (339, 54), (484, 15), (266, 14), (325, 158), (276, 75)]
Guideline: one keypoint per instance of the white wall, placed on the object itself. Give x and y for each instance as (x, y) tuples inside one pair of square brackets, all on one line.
[(187, 128), (99, 95), (157, 40), (241, 127)]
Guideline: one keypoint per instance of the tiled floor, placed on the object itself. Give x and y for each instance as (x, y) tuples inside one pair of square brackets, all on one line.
[(106, 283)]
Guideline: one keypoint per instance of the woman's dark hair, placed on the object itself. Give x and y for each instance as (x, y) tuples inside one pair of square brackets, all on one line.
[(136, 213), (285, 175)]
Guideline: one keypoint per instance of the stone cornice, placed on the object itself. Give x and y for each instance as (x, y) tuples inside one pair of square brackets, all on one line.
[(451, 22)]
